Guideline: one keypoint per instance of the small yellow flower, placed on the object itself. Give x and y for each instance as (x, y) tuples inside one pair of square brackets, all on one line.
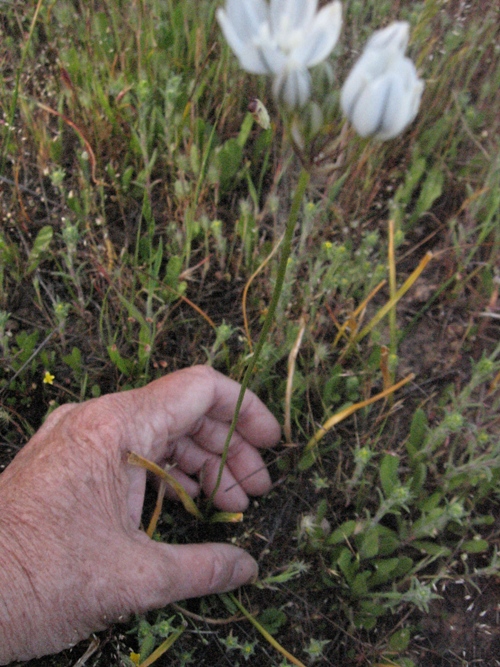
[(48, 378), (135, 657)]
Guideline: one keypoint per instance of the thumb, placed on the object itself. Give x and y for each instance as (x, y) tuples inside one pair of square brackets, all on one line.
[(163, 573)]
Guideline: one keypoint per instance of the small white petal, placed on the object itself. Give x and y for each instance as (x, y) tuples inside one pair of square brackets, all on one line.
[(247, 16), (293, 87), (352, 89), (396, 113), (292, 14), (271, 57), (403, 101), (322, 36), (247, 54), (368, 112), (395, 36)]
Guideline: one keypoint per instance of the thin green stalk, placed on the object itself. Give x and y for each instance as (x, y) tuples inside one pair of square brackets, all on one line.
[(285, 254), (393, 327)]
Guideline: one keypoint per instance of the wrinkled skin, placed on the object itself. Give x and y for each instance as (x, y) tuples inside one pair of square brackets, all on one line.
[(72, 556)]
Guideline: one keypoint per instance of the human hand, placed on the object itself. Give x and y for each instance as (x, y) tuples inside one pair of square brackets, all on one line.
[(72, 557)]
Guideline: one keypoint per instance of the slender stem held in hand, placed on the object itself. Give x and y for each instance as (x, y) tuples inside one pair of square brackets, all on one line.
[(285, 254)]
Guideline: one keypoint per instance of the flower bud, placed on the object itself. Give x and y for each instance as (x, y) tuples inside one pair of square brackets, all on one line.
[(382, 93)]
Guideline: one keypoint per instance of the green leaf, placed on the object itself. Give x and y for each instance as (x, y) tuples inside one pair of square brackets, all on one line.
[(246, 128), (229, 161), (414, 174), (404, 565), (344, 531), (418, 431), (431, 190), (400, 639), (418, 478), (475, 546), (347, 565), (384, 568), (365, 620), (157, 259), (272, 619), (147, 646), (307, 459), (388, 541), (172, 273), (359, 586), (431, 548), (430, 523), (389, 473), (369, 546), (127, 177), (431, 502), (125, 366), (40, 246), (74, 361), (25, 343)]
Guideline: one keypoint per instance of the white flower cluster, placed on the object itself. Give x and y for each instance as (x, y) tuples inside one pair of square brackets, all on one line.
[(285, 38)]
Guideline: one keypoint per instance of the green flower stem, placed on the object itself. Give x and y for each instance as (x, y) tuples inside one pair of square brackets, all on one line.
[(285, 254), (393, 327)]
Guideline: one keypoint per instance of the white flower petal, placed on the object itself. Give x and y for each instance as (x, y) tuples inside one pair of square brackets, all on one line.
[(271, 57), (368, 112), (293, 87), (352, 88), (394, 37), (322, 36), (247, 54), (292, 14), (403, 101), (247, 16), (396, 113)]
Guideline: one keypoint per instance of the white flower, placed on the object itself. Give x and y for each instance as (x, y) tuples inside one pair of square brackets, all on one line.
[(382, 93), (284, 38)]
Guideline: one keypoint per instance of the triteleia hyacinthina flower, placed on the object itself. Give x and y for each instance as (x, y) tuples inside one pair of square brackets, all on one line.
[(283, 38), (381, 95)]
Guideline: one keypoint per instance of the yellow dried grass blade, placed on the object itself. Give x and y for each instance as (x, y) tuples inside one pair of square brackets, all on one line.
[(226, 517), (162, 648), (384, 366), (347, 412), (184, 497), (292, 358), (355, 314), (392, 302), (157, 511), (265, 633)]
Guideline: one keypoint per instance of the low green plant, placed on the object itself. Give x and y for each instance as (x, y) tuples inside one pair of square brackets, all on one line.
[(142, 214)]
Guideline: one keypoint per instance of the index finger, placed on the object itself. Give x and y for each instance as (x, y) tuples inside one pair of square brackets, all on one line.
[(174, 406)]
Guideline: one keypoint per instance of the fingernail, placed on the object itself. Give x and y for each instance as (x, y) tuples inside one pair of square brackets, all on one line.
[(254, 577), (253, 580)]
